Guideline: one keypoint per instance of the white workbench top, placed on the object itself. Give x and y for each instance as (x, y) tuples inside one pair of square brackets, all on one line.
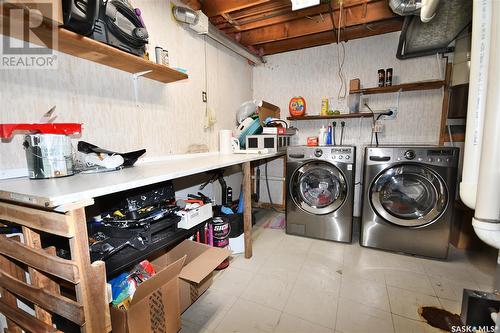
[(62, 191)]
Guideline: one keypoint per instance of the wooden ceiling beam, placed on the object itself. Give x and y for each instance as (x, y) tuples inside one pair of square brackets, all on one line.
[(193, 4), (327, 37), (262, 9), (355, 15), (217, 7)]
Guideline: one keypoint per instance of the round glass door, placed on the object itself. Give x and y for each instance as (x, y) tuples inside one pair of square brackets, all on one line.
[(409, 195), (318, 187)]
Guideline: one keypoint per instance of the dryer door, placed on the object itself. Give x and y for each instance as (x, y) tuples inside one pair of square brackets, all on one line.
[(409, 195), (318, 187)]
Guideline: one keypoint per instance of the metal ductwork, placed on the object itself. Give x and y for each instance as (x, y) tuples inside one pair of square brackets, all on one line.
[(405, 7), (199, 22)]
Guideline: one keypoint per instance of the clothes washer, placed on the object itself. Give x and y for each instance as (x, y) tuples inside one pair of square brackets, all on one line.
[(320, 186), (408, 199)]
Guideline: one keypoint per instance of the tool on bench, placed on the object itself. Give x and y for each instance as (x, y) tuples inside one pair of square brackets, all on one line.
[(227, 192)]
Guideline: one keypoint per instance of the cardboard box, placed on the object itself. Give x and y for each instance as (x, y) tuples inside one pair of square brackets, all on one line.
[(196, 275), (354, 85), (268, 110), (193, 217), (155, 306)]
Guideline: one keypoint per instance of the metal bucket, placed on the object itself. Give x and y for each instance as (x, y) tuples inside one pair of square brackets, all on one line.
[(48, 155)]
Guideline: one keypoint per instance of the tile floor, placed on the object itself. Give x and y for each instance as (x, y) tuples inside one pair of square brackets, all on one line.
[(296, 284)]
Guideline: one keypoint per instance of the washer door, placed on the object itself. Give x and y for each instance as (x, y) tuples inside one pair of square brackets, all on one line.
[(409, 195), (318, 187)]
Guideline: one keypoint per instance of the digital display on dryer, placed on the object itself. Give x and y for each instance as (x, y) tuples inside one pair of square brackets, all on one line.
[(440, 152)]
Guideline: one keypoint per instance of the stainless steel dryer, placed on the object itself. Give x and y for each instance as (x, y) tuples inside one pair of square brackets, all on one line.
[(320, 186), (408, 199)]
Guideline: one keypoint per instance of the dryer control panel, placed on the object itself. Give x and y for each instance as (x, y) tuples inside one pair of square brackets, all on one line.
[(438, 156), (339, 154)]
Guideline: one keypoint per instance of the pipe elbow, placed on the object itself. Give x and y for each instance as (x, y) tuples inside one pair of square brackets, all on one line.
[(468, 194), (488, 232)]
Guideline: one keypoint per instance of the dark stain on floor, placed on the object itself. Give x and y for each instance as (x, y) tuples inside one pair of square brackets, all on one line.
[(439, 318)]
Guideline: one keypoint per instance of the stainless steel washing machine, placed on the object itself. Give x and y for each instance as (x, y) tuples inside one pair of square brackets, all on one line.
[(408, 199), (320, 186)]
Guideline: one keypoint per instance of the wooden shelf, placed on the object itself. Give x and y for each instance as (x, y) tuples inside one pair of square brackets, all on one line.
[(86, 48), (339, 116), (423, 85)]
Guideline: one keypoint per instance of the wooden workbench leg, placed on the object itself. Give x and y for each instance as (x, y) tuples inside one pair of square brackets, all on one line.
[(247, 210), (91, 291)]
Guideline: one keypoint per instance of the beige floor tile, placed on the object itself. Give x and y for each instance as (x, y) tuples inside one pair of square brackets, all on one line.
[(371, 274), (320, 277), (457, 271), (401, 262), (451, 306), (313, 305), (366, 292), (405, 325), (292, 324), (450, 289), (189, 327), (332, 250), (253, 264), (269, 290), (248, 317), (209, 309), (295, 245), (406, 303), (232, 281), (410, 281), (356, 256), (355, 317), (283, 265)]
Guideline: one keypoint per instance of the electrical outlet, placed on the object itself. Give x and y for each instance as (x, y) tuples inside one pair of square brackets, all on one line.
[(378, 127), (204, 96)]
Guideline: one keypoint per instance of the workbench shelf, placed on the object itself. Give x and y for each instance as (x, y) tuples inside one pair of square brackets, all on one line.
[(337, 116), (86, 48), (422, 85)]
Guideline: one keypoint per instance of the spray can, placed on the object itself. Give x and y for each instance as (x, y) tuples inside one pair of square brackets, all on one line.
[(324, 107), (220, 231)]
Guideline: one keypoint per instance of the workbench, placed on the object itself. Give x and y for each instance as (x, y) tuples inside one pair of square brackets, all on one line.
[(57, 207)]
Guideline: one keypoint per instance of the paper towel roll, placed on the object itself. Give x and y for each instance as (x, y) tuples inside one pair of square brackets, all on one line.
[(225, 139)]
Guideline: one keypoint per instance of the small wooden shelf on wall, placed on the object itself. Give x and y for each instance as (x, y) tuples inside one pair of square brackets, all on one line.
[(338, 116), (86, 48), (422, 85)]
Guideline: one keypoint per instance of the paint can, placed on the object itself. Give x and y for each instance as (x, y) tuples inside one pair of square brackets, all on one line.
[(221, 230)]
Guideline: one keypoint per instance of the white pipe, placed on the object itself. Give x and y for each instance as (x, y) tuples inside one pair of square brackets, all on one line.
[(481, 32), (486, 221)]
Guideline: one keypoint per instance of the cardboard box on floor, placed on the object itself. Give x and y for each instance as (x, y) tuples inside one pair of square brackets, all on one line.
[(268, 110), (182, 275), (196, 275), (155, 306)]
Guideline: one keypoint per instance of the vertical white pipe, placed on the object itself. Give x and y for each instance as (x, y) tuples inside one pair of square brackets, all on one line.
[(486, 221), (480, 51)]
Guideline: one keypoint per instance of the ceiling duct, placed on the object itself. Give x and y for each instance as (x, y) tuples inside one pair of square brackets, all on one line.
[(198, 22), (405, 7), (420, 39)]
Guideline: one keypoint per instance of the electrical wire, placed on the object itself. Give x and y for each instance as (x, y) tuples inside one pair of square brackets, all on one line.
[(373, 123), (340, 61)]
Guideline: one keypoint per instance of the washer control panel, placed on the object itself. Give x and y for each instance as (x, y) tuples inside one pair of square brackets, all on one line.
[(340, 154)]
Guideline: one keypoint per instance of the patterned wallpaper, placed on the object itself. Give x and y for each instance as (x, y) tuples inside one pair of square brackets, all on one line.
[(169, 117), (312, 73)]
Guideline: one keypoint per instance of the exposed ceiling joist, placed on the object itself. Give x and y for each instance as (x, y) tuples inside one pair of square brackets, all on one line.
[(217, 7), (193, 4), (355, 15), (327, 37), (262, 9)]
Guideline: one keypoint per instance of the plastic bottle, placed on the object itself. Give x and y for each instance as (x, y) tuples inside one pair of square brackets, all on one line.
[(329, 136), (322, 136)]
